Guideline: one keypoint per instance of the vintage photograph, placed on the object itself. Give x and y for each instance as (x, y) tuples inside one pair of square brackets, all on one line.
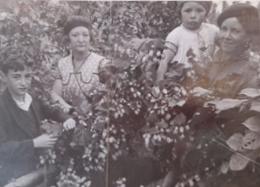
[(129, 93)]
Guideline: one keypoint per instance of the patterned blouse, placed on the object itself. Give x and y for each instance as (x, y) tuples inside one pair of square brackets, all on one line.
[(79, 83)]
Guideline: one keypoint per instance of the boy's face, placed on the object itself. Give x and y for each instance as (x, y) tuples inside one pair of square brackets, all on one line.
[(193, 14), (18, 82)]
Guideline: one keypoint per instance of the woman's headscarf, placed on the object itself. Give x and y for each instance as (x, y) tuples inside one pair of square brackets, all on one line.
[(246, 14), (76, 21)]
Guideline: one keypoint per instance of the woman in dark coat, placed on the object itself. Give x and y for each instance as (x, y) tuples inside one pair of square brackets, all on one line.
[(235, 69), (235, 66)]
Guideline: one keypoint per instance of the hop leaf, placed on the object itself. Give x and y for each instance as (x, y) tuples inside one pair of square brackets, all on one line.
[(190, 53), (250, 92), (198, 91), (253, 123), (237, 162), (81, 136), (85, 106), (52, 128), (180, 119), (156, 91), (235, 141), (224, 168), (225, 104), (251, 141), (255, 106), (162, 124), (246, 144)]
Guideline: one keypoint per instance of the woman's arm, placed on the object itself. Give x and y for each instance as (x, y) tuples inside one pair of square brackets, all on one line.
[(56, 95)]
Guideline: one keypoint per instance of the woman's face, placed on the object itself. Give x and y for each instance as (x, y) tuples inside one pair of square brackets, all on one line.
[(79, 38), (192, 14), (232, 36)]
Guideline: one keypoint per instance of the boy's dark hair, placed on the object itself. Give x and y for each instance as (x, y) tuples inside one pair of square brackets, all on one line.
[(15, 62)]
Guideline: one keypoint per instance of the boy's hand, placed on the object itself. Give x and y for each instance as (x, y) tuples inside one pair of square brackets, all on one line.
[(44, 141), (69, 124)]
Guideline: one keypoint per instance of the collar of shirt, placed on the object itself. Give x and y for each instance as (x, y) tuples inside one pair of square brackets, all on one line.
[(24, 105)]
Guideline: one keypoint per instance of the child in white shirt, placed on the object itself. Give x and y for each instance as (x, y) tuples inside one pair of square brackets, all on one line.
[(192, 35)]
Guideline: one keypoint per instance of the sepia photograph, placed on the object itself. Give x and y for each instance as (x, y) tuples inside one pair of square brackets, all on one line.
[(129, 93)]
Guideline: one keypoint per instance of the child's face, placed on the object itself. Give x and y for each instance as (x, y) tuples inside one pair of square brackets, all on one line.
[(193, 14), (18, 82)]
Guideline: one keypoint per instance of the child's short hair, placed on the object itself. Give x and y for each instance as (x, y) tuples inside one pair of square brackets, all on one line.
[(206, 4), (15, 62)]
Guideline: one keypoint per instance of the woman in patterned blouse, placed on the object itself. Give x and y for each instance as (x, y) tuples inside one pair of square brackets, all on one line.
[(78, 72)]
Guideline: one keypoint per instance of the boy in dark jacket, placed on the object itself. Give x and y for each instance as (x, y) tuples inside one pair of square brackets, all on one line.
[(20, 117)]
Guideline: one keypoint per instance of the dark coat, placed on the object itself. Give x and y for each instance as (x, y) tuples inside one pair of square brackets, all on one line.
[(227, 78), (17, 153), (230, 77)]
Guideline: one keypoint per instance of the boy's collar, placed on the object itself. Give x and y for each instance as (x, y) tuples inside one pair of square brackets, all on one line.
[(24, 105)]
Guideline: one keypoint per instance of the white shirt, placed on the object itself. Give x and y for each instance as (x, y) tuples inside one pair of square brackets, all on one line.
[(26, 103), (184, 39)]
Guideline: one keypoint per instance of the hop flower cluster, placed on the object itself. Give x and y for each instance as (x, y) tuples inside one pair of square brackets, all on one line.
[(69, 178)]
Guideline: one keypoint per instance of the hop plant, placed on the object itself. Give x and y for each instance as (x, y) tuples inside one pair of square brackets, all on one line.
[(48, 157), (120, 182)]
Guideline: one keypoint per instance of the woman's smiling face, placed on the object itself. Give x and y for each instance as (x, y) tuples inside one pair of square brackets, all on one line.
[(232, 36), (79, 38)]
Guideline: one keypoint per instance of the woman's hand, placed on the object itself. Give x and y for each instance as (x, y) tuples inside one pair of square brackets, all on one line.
[(44, 141), (66, 107), (56, 95), (69, 124)]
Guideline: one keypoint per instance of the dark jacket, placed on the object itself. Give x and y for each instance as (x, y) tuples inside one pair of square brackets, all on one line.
[(17, 153), (228, 78)]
